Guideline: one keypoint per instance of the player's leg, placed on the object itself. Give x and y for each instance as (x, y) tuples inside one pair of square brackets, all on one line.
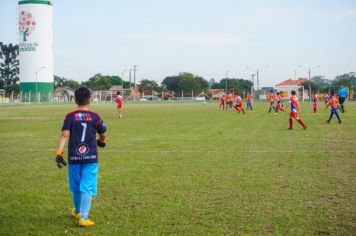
[(88, 187), (242, 109), (300, 121), (74, 174), (331, 115), (337, 116), (342, 100), (291, 115)]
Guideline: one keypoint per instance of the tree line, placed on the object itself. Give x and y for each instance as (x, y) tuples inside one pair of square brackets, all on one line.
[(185, 82)]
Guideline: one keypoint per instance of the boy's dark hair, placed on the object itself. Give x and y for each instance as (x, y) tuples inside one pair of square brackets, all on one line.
[(277, 93), (271, 91), (82, 95), (118, 93), (332, 93), (292, 92)]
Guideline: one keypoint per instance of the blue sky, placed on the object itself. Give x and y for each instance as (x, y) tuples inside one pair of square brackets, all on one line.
[(204, 37)]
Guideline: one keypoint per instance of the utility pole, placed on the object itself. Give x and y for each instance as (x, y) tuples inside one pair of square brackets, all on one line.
[(130, 77), (227, 72), (309, 87), (258, 80), (134, 69), (253, 85)]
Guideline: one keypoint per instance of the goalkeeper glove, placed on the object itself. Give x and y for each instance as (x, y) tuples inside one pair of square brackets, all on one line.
[(101, 143), (60, 160)]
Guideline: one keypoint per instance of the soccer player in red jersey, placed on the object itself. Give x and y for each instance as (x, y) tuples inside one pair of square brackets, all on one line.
[(279, 103), (271, 98), (333, 102), (238, 105), (248, 101), (315, 102), (294, 111), (222, 102), (118, 100)]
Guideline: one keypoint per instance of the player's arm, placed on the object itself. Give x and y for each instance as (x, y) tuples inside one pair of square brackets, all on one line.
[(101, 140), (298, 108), (59, 151), (101, 129)]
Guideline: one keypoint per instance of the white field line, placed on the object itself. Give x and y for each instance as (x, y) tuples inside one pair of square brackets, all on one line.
[(193, 139), (186, 151)]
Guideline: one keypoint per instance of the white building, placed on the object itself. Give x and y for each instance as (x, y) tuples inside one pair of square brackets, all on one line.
[(297, 85)]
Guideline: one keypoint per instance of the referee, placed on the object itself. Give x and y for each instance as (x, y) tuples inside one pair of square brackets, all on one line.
[(342, 96)]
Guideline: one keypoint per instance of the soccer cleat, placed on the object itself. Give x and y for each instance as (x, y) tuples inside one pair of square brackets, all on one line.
[(304, 127), (290, 128), (75, 215), (328, 122), (85, 223), (339, 122)]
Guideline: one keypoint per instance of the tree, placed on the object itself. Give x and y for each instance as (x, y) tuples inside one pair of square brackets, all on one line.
[(147, 86), (322, 83), (71, 84), (9, 67), (185, 82), (59, 81), (346, 80), (313, 86), (240, 86)]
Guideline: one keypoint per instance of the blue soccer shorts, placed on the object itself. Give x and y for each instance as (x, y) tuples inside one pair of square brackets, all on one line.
[(83, 178)]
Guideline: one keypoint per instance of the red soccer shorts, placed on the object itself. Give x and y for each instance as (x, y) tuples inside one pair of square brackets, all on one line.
[(119, 105), (294, 114)]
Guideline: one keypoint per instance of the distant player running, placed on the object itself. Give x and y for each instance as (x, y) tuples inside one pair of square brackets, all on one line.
[(249, 101), (118, 100), (238, 105), (271, 98), (294, 111), (279, 103), (315, 102), (326, 98), (333, 102), (222, 102)]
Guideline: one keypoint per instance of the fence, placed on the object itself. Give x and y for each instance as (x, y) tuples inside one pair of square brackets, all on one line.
[(100, 97)]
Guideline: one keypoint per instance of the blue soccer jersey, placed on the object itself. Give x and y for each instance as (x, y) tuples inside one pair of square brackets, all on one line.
[(83, 126)]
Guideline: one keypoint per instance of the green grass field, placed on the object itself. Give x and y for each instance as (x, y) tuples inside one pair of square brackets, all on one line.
[(184, 169)]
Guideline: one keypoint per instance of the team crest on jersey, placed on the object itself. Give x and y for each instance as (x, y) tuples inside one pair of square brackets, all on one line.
[(82, 149), (82, 116)]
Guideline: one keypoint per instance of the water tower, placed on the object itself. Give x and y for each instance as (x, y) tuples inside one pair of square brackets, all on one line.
[(36, 49)]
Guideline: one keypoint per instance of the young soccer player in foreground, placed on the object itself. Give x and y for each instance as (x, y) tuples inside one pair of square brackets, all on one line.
[(118, 100), (294, 111), (333, 102), (81, 127)]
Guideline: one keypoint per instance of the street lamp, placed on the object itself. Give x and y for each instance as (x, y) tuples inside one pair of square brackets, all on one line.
[(295, 71), (42, 67), (122, 78)]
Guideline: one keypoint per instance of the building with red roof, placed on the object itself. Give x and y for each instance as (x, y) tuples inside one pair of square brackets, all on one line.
[(297, 85)]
